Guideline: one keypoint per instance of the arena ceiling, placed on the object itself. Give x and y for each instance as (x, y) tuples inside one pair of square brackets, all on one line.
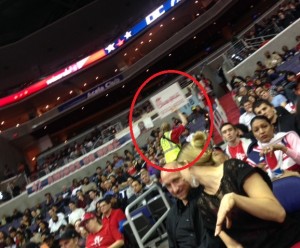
[(202, 43)]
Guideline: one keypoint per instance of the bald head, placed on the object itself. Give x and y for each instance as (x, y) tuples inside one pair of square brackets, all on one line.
[(175, 183)]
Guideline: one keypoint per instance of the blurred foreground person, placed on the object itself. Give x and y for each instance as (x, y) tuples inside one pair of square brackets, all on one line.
[(237, 199)]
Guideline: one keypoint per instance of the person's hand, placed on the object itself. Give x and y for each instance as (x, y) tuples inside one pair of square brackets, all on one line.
[(227, 203), (228, 241), (262, 166), (272, 148)]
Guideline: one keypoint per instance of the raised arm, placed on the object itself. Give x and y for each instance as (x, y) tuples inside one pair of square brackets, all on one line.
[(182, 118)]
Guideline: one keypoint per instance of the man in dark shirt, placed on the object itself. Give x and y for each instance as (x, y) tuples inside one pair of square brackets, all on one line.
[(184, 223)]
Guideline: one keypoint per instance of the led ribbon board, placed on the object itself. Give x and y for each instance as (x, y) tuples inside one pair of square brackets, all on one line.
[(95, 57)]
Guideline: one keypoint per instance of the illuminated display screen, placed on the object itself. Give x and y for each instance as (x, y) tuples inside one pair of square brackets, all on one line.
[(97, 56)]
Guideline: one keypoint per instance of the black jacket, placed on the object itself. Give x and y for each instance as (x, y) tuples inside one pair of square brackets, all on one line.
[(196, 234)]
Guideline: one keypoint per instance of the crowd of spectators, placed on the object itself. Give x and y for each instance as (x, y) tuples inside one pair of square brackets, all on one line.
[(285, 15), (268, 119), (118, 184), (98, 137)]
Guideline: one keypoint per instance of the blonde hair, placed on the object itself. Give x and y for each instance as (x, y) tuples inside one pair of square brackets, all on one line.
[(189, 152), (165, 127)]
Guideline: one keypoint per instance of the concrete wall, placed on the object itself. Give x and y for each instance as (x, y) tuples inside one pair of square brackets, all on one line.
[(286, 37)]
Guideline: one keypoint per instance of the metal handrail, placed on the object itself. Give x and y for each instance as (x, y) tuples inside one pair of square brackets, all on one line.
[(142, 240)]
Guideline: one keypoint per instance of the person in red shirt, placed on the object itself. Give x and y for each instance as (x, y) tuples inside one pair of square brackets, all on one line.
[(100, 236), (110, 216), (236, 147)]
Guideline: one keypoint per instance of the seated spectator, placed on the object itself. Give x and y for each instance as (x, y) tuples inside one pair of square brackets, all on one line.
[(237, 81), (49, 201), (129, 190), (287, 53), (69, 238), (281, 119), (285, 20), (128, 155), (94, 196), (246, 117), (87, 185), (138, 191), (260, 66), (75, 186), (146, 179), (100, 236), (20, 239), (272, 60), (2, 239), (81, 200), (110, 216), (119, 199), (108, 187), (272, 74), (118, 161), (43, 228), (131, 169), (279, 151), (291, 78), (49, 241), (236, 147), (82, 233), (56, 220), (76, 213), (277, 100), (242, 91)]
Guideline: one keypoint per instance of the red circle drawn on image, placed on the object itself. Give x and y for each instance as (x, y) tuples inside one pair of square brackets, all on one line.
[(210, 114)]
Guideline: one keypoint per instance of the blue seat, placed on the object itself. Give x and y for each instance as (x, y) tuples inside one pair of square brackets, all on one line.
[(287, 191)]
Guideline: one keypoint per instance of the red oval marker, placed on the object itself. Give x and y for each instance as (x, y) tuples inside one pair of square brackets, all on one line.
[(210, 113)]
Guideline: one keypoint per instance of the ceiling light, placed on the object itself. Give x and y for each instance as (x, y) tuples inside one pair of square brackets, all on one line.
[(150, 40), (125, 54), (58, 98), (107, 94), (194, 37), (116, 70), (71, 91), (196, 1), (123, 86), (82, 108), (97, 78), (85, 84), (161, 25), (215, 23), (197, 14), (170, 54), (33, 159), (142, 42), (66, 141), (150, 34), (2, 122), (136, 49), (173, 18), (47, 106), (17, 125), (147, 70), (45, 127)]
